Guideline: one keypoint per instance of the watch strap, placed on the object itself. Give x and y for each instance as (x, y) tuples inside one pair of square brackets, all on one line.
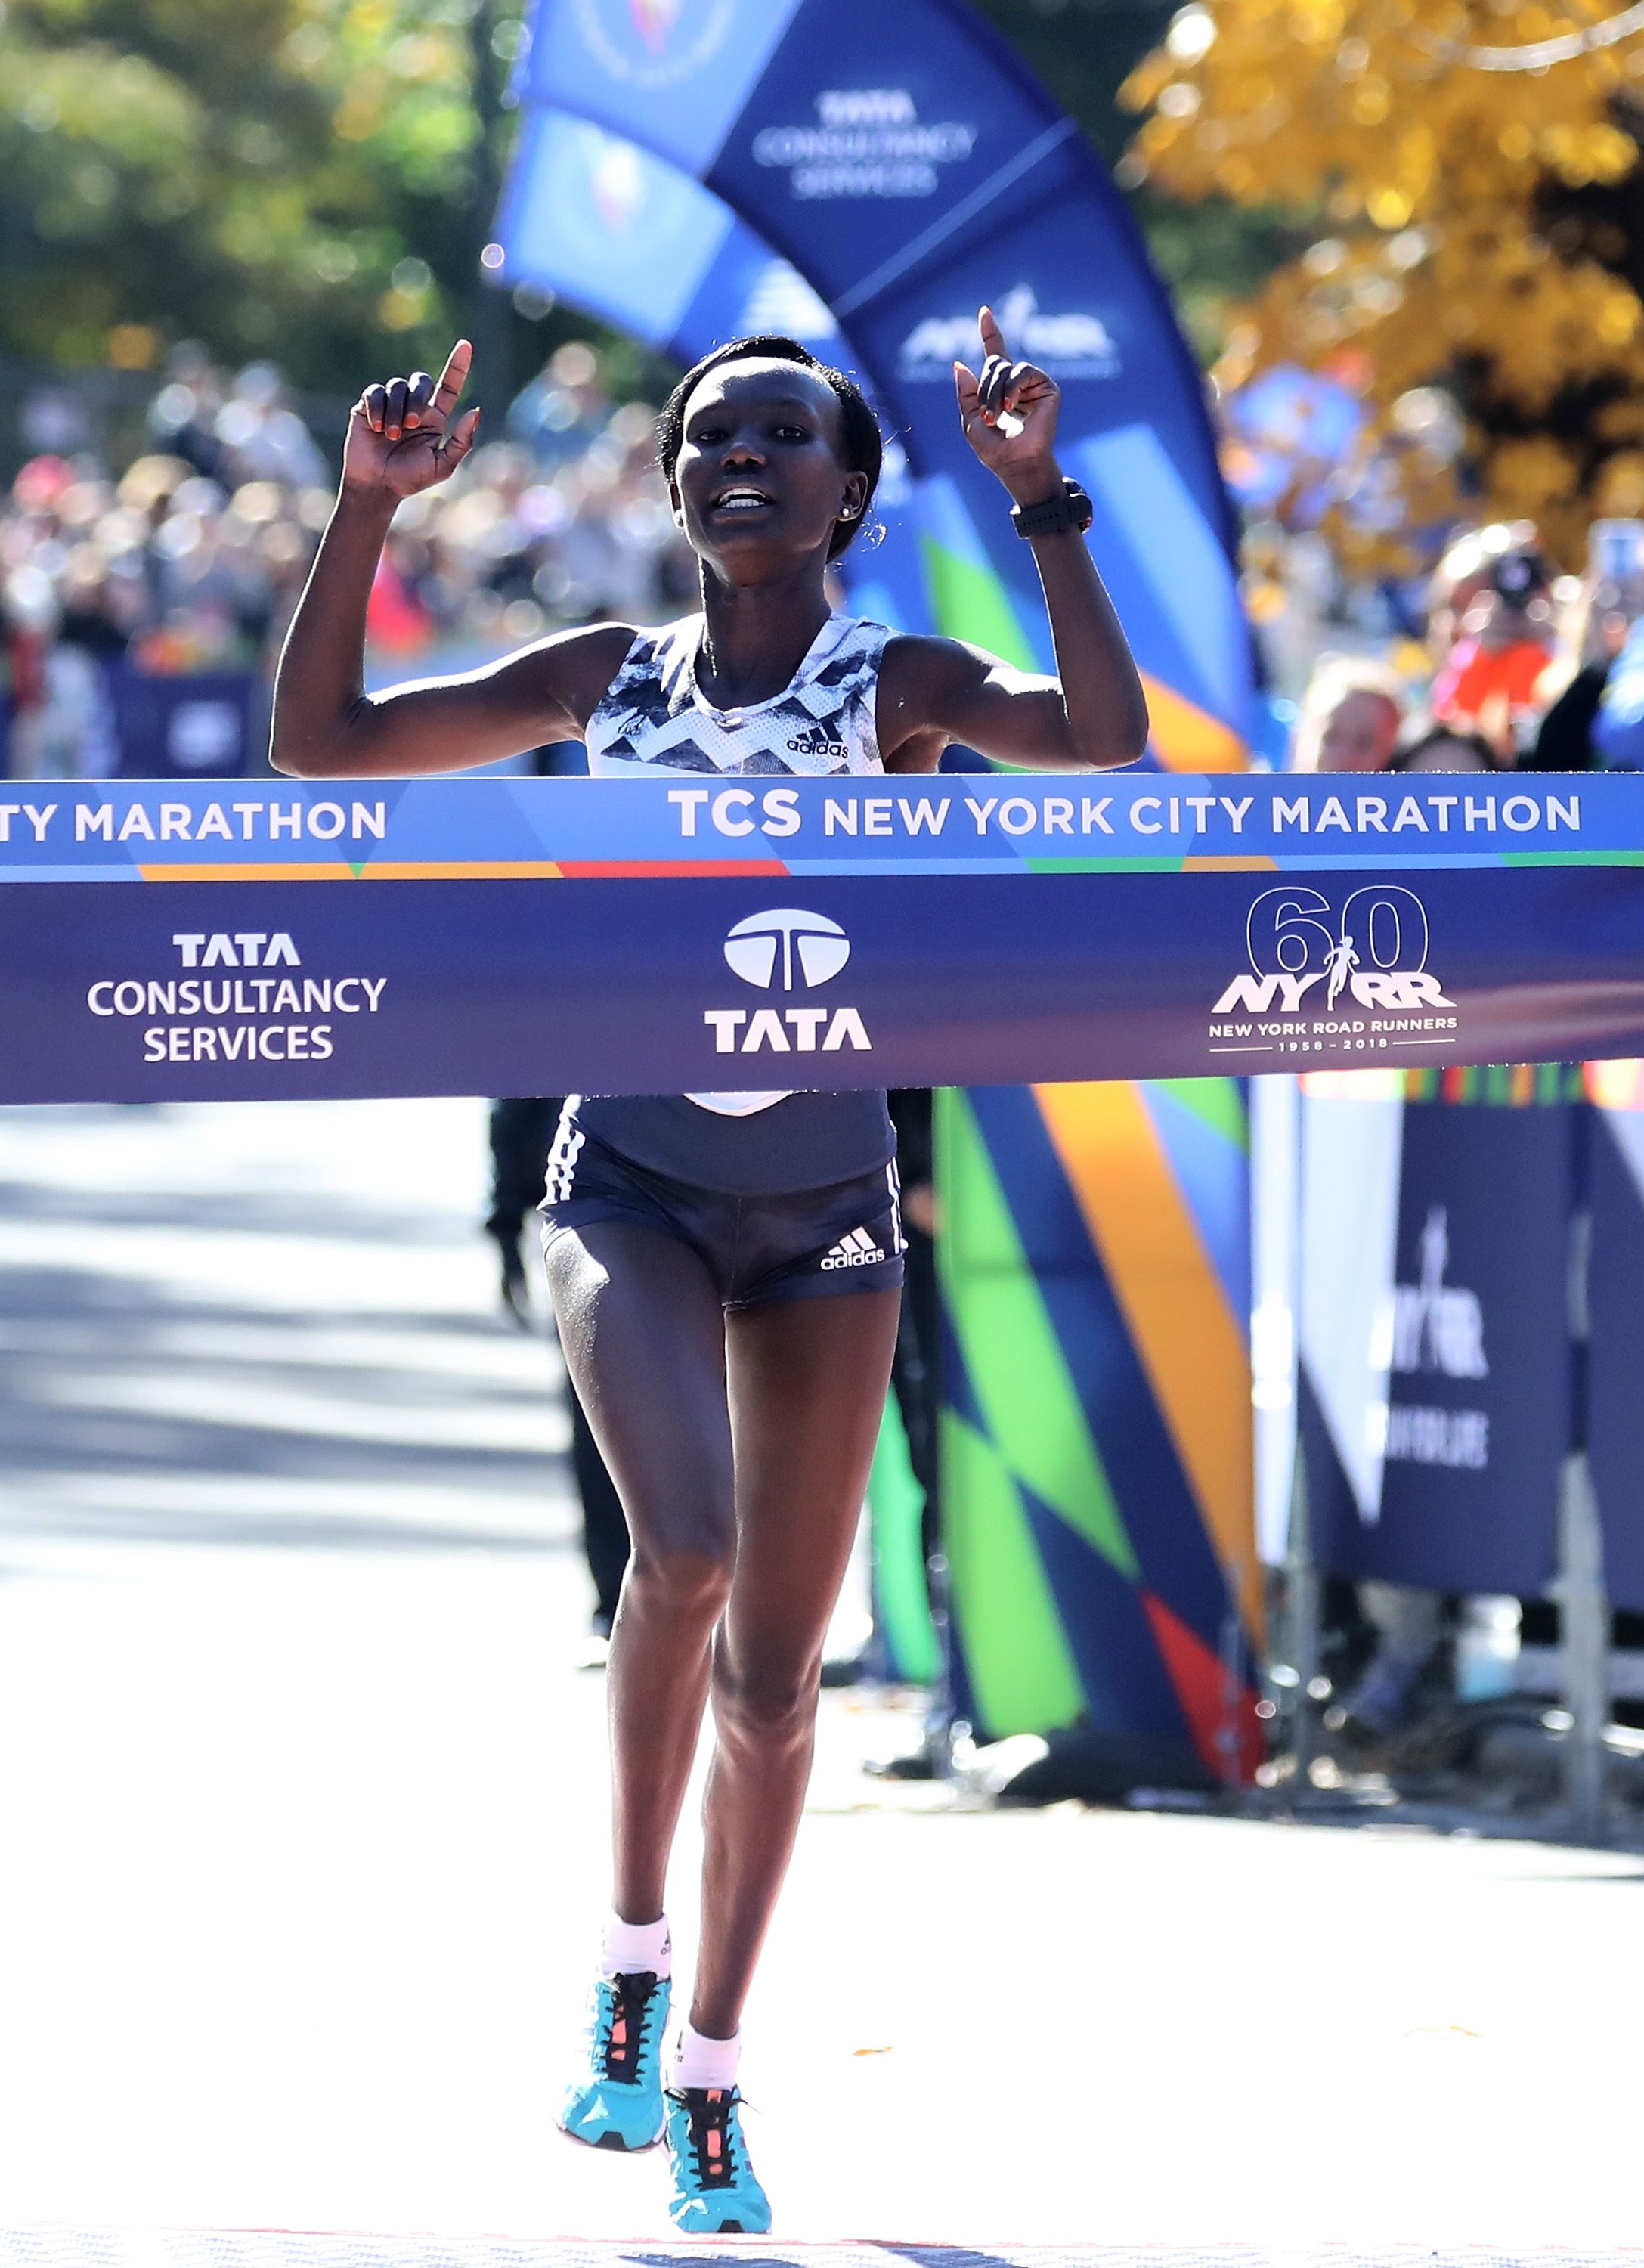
[(1067, 507)]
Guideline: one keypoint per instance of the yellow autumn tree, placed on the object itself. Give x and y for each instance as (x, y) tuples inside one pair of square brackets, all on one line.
[(1459, 161)]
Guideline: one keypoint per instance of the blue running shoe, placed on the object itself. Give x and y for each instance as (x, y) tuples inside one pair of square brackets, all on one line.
[(714, 2190), (617, 2103)]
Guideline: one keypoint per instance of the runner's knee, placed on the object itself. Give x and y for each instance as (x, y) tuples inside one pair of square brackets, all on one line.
[(770, 1705), (689, 1582)]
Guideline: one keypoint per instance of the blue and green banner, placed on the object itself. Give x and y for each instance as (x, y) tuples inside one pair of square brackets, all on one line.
[(909, 167), (1097, 1467)]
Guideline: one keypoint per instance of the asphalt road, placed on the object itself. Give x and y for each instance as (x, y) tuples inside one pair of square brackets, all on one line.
[(301, 1831)]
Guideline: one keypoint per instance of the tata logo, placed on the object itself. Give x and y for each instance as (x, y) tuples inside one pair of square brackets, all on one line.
[(788, 951), (819, 946), (1078, 344), (1323, 976), (652, 44)]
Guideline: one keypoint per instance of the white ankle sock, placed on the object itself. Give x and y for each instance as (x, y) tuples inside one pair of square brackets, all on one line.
[(631, 1947), (699, 2061)]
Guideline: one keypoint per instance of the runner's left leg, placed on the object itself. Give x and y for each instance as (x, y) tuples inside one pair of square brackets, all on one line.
[(807, 1381)]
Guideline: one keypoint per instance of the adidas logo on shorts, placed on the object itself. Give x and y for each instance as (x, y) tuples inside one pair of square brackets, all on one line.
[(855, 1250)]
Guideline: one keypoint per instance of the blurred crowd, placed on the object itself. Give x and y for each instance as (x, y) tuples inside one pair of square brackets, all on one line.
[(1515, 668), (189, 559)]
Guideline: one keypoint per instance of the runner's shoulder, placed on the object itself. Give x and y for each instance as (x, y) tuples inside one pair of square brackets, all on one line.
[(915, 662), (574, 669)]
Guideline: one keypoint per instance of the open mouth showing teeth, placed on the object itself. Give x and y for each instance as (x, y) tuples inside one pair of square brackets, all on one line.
[(740, 500)]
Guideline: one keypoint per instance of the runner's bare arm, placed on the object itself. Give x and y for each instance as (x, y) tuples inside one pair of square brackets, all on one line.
[(401, 441), (1093, 713)]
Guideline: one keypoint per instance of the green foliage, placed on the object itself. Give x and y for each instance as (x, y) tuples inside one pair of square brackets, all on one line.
[(308, 179), (1469, 227), (1211, 256), (313, 180), (1083, 50)]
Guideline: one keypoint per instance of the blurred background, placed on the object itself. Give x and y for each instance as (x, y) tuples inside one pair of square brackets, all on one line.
[(1411, 292), (1263, 1454)]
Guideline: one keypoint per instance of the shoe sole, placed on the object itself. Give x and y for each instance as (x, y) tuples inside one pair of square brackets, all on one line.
[(608, 2141)]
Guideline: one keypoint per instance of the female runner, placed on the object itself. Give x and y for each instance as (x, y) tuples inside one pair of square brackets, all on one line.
[(725, 1268)]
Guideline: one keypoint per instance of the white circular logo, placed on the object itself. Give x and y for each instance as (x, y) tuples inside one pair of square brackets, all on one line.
[(639, 43), (203, 735), (819, 946)]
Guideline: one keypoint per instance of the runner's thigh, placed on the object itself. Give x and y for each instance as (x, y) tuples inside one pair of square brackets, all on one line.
[(644, 1337)]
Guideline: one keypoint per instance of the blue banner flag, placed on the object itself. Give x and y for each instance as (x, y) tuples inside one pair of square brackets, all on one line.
[(1434, 1438), (633, 936), (910, 167), (622, 233), (1615, 1337)]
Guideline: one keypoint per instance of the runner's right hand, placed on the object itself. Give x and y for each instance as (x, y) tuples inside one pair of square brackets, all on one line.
[(400, 438)]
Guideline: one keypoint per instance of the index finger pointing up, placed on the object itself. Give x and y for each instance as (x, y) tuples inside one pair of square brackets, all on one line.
[(453, 378), (992, 337)]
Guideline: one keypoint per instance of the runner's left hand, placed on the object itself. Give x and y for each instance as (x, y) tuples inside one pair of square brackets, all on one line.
[(1025, 396)]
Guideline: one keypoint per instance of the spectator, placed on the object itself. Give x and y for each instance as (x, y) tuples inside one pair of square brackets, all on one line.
[(1612, 600), (262, 437), (1350, 718), (563, 409), (1618, 728), (1442, 748), (1489, 681), (192, 561), (182, 416), (1409, 1622), (1463, 573)]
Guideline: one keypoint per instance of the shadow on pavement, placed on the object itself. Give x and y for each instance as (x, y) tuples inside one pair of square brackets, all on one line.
[(80, 1349)]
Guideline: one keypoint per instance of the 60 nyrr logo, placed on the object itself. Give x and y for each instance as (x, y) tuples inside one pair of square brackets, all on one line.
[(1320, 978)]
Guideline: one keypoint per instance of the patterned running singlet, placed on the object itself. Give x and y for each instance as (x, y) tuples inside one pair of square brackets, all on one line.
[(655, 717)]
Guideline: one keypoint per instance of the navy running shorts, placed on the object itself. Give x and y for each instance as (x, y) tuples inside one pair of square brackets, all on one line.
[(758, 1249)]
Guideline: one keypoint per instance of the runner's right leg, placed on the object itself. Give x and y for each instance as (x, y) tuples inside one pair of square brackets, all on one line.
[(644, 1336)]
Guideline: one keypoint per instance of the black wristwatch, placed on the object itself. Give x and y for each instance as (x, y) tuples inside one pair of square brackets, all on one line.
[(1067, 507)]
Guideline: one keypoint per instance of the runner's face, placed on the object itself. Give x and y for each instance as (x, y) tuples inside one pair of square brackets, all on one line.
[(760, 479)]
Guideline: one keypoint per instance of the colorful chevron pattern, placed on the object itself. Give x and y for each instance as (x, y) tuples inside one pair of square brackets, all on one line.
[(1194, 677), (1097, 1428), (1096, 1447)]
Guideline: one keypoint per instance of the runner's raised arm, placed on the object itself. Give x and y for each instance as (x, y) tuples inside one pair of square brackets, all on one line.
[(1093, 714), (401, 441)]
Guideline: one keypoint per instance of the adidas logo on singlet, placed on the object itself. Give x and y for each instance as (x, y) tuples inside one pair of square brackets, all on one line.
[(816, 741), (857, 1250)]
